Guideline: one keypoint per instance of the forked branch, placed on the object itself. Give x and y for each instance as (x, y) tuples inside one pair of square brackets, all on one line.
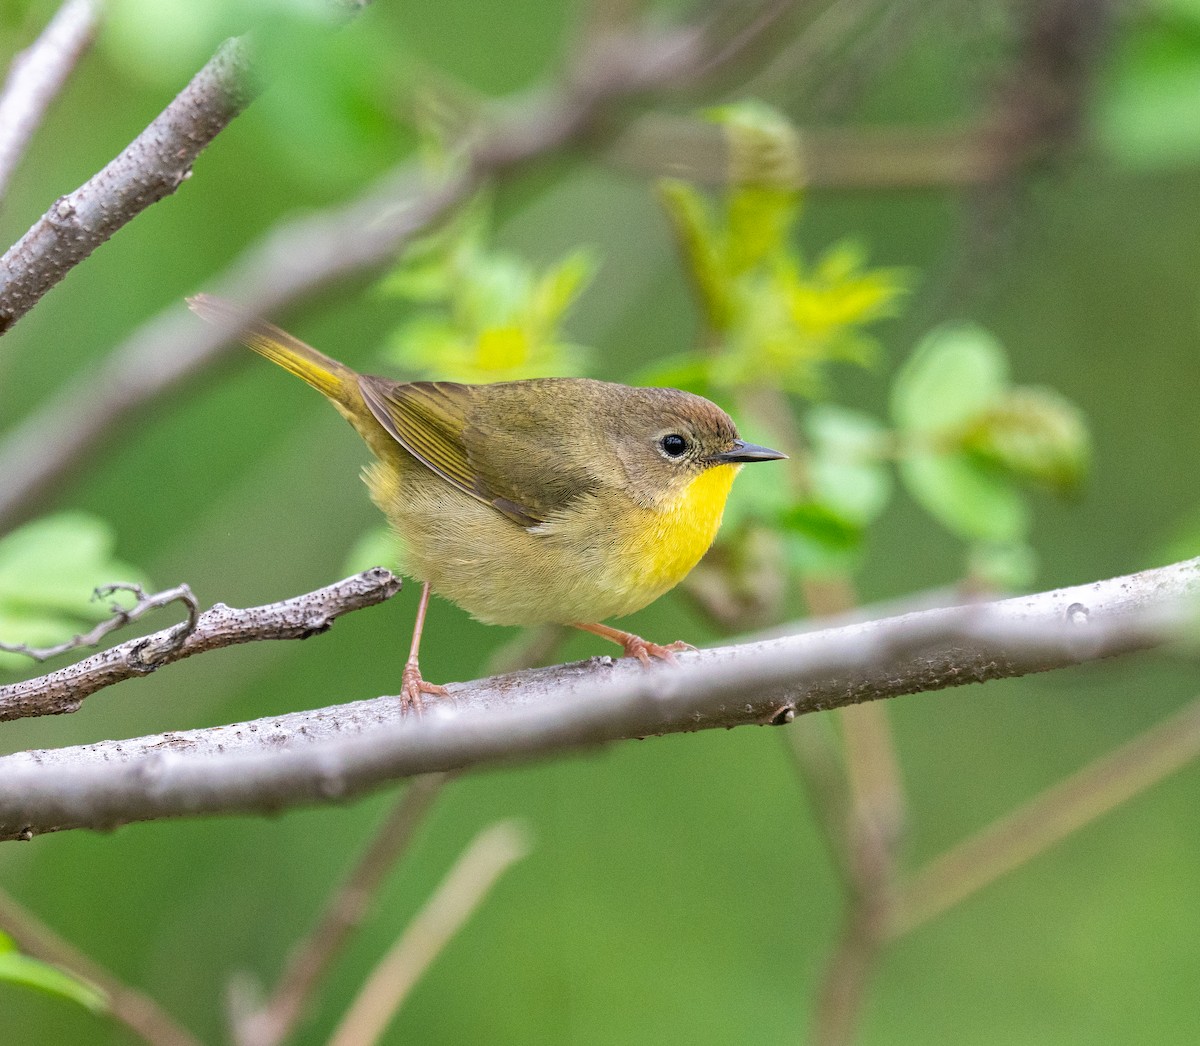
[(295, 618)]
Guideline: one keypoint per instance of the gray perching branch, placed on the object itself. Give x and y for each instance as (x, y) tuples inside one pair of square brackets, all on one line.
[(339, 752)]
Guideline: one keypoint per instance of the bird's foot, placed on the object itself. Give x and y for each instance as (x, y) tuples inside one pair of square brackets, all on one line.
[(413, 688), (636, 646), (644, 650)]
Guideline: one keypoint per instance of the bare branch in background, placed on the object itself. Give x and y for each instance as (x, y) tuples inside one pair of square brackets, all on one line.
[(139, 1013), (488, 856), (277, 1019), (122, 616), (221, 626), (1048, 818), (834, 158), (154, 165), (1039, 101), (36, 76), (336, 753)]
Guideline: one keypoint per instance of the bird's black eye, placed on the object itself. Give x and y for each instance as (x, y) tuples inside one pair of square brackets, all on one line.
[(673, 445)]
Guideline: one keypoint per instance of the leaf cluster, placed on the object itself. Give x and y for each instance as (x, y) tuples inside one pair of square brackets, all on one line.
[(482, 314), (967, 443), (766, 308)]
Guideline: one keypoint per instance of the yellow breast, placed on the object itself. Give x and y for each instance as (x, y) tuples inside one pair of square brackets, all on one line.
[(605, 558), (684, 530)]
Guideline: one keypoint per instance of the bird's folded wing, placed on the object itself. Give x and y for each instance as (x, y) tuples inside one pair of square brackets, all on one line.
[(511, 468)]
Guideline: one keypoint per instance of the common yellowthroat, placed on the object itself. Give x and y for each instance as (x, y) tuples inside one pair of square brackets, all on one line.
[(561, 500)]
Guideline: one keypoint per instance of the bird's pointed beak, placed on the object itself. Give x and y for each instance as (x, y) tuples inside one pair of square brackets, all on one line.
[(743, 451)]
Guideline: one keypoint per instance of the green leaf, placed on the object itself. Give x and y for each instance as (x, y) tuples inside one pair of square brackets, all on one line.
[(953, 375), (55, 563), (685, 370), (494, 289), (759, 219), (501, 320), (16, 968), (1034, 434), (823, 525), (701, 247), (157, 41), (966, 497), (817, 540), (846, 464), (841, 292), (331, 111), (764, 147), (1147, 116), (759, 495), (1181, 542), (49, 571), (33, 629), (559, 287), (430, 268), (426, 275)]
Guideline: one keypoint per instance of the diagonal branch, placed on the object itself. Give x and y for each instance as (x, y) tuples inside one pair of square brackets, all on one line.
[(276, 1020), (152, 166), (1048, 818), (488, 856), (337, 753), (37, 75)]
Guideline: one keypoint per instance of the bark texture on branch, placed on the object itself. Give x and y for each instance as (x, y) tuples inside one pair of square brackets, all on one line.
[(339, 752)]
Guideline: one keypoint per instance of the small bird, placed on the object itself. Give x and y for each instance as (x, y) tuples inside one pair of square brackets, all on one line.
[(563, 500)]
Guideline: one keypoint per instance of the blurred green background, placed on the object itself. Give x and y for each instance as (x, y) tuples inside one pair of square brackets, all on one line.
[(678, 891)]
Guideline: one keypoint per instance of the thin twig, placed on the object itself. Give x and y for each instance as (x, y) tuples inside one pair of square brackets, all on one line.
[(1065, 807), (296, 618), (490, 854), (37, 74), (346, 750), (349, 905), (122, 616), (139, 1013), (815, 758)]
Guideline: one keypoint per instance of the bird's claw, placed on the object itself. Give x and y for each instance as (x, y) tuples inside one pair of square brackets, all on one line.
[(413, 687), (644, 650)]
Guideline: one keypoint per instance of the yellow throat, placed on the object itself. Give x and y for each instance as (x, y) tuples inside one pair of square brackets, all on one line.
[(685, 529)]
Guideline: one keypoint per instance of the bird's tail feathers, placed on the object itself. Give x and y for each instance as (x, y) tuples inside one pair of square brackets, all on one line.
[(326, 375)]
